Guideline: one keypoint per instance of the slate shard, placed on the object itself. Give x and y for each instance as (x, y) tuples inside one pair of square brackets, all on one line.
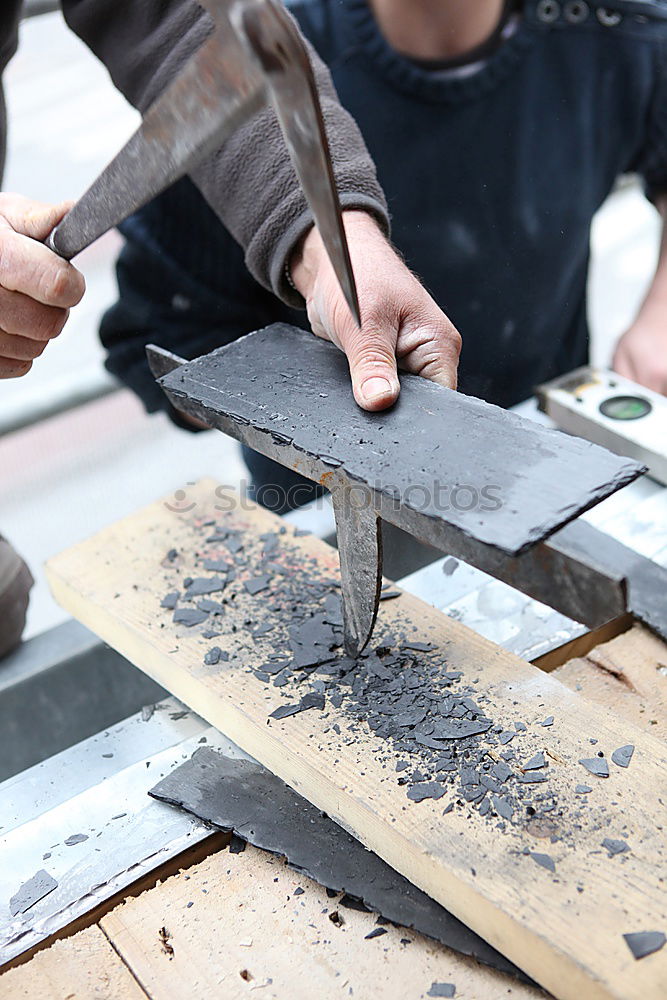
[(442, 990), (257, 585), (458, 729), (615, 846), (596, 765), (189, 617), (170, 600), (205, 585), (213, 656), (644, 943), (378, 932), (549, 721), (298, 891), (583, 789), (36, 888), (544, 861), (76, 838), (284, 711), (623, 755), (425, 790), (502, 806), (539, 760)]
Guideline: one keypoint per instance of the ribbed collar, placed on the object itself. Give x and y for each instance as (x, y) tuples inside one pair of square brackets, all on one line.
[(408, 77)]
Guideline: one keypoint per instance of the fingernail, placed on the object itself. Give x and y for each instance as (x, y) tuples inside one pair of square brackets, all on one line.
[(376, 388)]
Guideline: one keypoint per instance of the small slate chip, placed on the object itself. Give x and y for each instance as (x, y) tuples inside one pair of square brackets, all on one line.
[(211, 607), (501, 771), (217, 565), (644, 943), (257, 584), (205, 585), (312, 700), (549, 721), (532, 778), (213, 656), (539, 760), (170, 600), (189, 617), (76, 838), (378, 932), (623, 755), (426, 790), (442, 990), (544, 861), (615, 846), (583, 789), (298, 891), (506, 737), (419, 647), (502, 806), (596, 765), (36, 888), (389, 595), (283, 711)]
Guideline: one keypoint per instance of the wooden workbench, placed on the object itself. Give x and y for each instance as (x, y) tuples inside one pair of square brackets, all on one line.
[(245, 925)]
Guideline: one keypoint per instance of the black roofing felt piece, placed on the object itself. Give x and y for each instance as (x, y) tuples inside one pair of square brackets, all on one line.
[(272, 380), (597, 766), (623, 755), (36, 888), (644, 943), (242, 796)]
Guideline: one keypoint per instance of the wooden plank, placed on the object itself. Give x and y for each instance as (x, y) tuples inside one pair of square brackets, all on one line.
[(237, 912), (81, 968), (628, 675), (563, 928)]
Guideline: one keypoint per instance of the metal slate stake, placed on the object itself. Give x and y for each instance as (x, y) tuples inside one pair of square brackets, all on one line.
[(254, 54)]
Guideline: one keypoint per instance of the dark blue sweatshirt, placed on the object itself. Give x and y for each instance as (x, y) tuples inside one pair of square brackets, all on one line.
[(492, 181)]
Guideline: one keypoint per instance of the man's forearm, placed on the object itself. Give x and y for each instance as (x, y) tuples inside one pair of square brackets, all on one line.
[(250, 182)]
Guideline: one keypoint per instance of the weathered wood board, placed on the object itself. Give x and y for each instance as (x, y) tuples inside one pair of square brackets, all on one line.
[(628, 674), (563, 927), (245, 917), (84, 967)]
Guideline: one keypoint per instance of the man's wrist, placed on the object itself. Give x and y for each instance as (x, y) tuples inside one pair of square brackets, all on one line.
[(309, 255)]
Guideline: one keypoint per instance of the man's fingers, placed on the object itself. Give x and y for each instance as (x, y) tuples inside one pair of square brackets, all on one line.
[(432, 351), (21, 315), (11, 368), (28, 267), (20, 348), (32, 218)]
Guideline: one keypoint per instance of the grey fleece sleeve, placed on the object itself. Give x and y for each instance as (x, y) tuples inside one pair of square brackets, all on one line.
[(249, 182)]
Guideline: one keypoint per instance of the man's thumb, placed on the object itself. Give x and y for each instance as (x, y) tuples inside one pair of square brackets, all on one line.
[(372, 361)]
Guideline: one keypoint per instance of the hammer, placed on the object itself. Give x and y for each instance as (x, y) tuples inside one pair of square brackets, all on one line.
[(254, 56)]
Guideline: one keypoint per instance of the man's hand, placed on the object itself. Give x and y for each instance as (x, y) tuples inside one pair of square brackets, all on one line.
[(641, 353), (37, 288), (401, 323)]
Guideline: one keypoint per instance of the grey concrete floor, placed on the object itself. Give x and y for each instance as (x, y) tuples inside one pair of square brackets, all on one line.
[(64, 478)]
